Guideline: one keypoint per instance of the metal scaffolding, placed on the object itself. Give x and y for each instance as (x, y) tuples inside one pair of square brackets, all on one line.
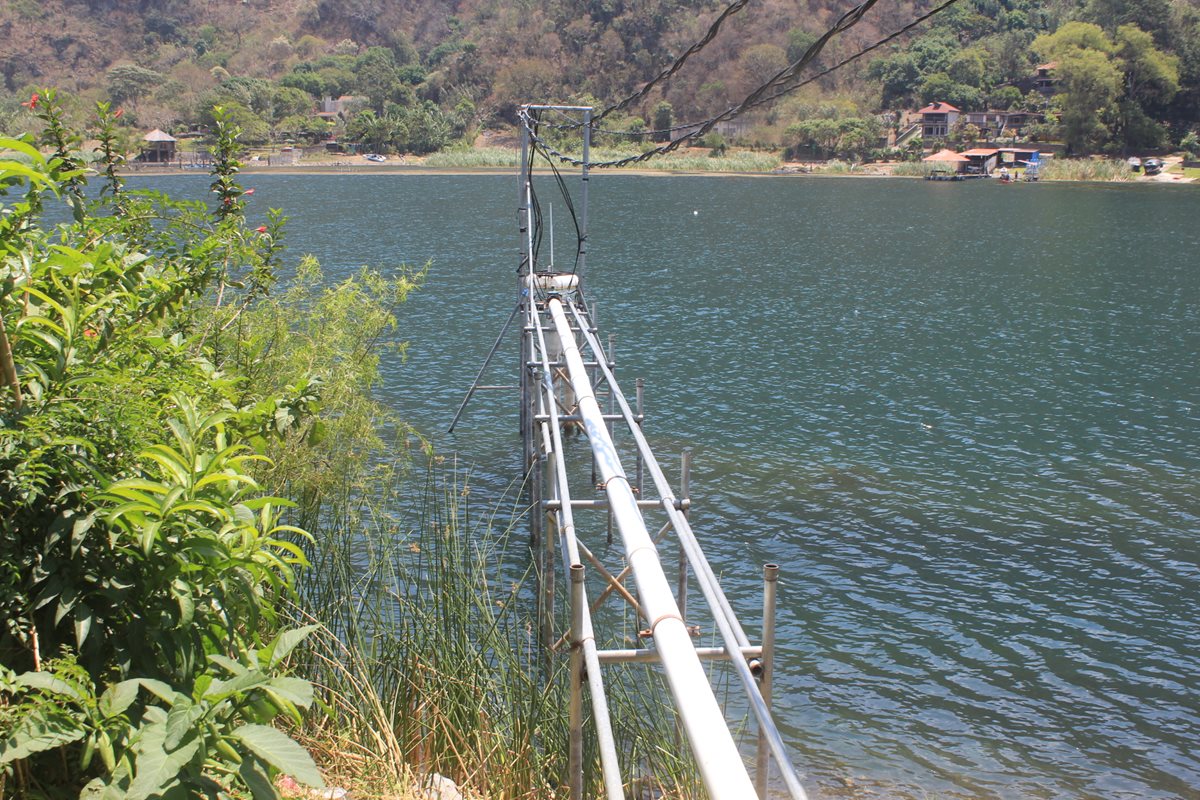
[(565, 372)]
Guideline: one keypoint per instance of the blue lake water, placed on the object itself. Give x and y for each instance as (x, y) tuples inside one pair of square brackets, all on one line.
[(963, 418)]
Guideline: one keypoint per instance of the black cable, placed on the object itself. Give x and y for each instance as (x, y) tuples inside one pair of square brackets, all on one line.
[(774, 88), (713, 30), (566, 193)]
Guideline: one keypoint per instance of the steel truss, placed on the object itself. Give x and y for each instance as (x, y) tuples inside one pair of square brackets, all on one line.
[(565, 372)]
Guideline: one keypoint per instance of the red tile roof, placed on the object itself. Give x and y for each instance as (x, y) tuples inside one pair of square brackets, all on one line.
[(946, 155), (938, 108)]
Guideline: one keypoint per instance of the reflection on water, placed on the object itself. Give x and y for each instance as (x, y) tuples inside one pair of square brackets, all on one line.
[(964, 420)]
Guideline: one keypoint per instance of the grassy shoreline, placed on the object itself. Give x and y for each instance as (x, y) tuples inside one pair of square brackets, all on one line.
[(1065, 171)]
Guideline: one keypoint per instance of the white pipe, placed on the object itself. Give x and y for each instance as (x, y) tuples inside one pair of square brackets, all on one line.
[(721, 766), (726, 620)]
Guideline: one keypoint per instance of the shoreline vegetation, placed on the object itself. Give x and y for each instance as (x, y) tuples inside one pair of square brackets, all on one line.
[(226, 570), (698, 161)]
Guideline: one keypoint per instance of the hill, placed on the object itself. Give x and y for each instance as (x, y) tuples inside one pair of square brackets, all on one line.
[(427, 72)]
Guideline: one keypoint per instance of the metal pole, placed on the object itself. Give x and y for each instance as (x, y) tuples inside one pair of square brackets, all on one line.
[(581, 269), (770, 583), (578, 604), (640, 384), (487, 361), (685, 488)]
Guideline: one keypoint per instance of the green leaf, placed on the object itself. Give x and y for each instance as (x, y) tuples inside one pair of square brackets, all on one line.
[(40, 732), (118, 697), (286, 642), (156, 770), (161, 689), (255, 777), (47, 683), (8, 143), (280, 752), (244, 682), (83, 624), (296, 691), (180, 722)]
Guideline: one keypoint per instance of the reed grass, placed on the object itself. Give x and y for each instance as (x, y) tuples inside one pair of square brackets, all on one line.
[(912, 169), (1085, 169), (429, 661), (474, 158), (688, 161)]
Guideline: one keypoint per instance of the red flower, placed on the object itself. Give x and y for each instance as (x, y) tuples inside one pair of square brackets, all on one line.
[(117, 115), (261, 229), (89, 333), (33, 101)]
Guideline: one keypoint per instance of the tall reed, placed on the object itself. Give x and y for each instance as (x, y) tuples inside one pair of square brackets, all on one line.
[(430, 661), (1085, 169)]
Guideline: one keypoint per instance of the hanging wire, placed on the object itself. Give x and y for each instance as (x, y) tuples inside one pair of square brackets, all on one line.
[(778, 85), (540, 147), (713, 30)]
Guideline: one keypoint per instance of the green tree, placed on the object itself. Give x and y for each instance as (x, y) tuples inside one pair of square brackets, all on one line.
[(664, 120), (798, 42), (128, 82), (899, 77), (1109, 88)]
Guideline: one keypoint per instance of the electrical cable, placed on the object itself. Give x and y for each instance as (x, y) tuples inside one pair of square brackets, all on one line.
[(713, 30), (775, 87)]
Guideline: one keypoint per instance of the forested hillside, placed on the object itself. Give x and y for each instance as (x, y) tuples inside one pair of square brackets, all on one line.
[(1126, 72)]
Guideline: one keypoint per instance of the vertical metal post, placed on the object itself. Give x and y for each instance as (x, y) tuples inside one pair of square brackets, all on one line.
[(547, 559), (685, 493), (641, 385), (581, 269), (575, 757), (592, 323), (770, 583), (610, 358)]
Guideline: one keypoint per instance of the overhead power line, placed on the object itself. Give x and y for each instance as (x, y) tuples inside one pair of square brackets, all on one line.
[(778, 85)]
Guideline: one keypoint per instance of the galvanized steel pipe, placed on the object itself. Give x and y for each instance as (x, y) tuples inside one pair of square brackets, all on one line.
[(721, 766)]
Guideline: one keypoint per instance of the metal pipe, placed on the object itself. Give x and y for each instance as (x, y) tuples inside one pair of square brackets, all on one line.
[(727, 622), (685, 488), (640, 383), (704, 573), (487, 361), (649, 656), (553, 505), (770, 583), (575, 756), (721, 767), (615, 584), (609, 761)]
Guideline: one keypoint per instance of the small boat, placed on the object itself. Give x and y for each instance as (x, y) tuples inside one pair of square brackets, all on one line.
[(375, 157)]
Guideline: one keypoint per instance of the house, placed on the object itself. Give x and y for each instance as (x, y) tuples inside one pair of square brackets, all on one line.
[(981, 160), (1043, 78), (993, 123), (937, 119), (332, 109), (160, 147), (948, 160)]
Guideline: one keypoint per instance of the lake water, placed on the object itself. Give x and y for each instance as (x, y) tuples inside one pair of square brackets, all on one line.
[(963, 418)]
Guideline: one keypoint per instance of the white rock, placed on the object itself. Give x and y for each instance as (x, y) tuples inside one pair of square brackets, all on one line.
[(439, 787)]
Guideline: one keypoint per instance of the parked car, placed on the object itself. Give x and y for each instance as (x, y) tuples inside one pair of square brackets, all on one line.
[(1152, 166)]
